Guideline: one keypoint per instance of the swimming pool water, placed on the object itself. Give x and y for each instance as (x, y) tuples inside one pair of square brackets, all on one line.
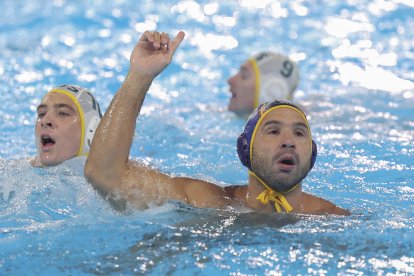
[(357, 85)]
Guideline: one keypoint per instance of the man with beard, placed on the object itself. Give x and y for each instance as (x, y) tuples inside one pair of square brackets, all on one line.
[(276, 146)]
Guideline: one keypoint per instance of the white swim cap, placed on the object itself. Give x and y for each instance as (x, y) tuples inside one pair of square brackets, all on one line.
[(277, 77), (89, 111)]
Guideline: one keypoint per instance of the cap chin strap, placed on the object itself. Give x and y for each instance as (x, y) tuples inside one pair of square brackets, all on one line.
[(278, 198)]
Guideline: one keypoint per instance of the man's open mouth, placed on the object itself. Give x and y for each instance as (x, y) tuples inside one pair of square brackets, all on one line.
[(286, 162), (47, 141)]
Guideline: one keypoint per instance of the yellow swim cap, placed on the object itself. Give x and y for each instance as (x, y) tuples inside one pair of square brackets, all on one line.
[(89, 111), (277, 77)]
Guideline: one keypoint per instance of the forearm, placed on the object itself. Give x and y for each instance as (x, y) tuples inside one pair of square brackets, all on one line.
[(111, 144), (107, 166)]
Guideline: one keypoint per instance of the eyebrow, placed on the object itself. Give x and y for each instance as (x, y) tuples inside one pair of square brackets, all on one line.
[(41, 106), (58, 105), (276, 122)]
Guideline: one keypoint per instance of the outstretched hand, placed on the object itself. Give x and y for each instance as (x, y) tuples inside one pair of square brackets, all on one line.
[(154, 52)]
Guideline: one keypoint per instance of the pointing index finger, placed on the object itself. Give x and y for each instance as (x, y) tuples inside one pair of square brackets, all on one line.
[(173, 44)]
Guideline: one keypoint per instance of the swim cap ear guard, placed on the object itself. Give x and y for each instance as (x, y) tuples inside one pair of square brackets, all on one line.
[(89, 112), (277, 77), (245, 139)]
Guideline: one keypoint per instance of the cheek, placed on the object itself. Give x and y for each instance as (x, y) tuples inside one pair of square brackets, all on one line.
[(74, 130), (249, 89), (306, 150), (73, 138), (246, 95), (37, 127), (78, 130), (252, 84), (262, 148)]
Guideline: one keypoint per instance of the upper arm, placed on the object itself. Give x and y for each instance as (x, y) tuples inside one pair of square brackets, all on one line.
[(200, 193), (140, 186), (127, 182), (335, 210), (331, 209), (319, 206)]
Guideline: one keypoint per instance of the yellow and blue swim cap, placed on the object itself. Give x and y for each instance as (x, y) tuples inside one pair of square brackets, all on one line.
[(277, 77), (89, 112), (246, 138)]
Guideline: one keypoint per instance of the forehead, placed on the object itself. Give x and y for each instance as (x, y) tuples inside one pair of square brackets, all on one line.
[(286, 115), (57, 98), (247, 66)]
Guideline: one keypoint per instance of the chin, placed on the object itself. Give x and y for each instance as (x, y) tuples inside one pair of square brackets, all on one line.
[(242, 113), (49, 162)]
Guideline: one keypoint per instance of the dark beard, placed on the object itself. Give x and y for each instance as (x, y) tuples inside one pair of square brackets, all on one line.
[(279, 181)]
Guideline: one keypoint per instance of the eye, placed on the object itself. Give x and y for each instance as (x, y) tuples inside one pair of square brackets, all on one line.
[(63, 114), (243, 74), (299, 133), (273, 131), (41, 114)]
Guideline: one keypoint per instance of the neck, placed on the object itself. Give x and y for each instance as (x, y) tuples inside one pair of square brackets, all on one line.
[(256, 187)]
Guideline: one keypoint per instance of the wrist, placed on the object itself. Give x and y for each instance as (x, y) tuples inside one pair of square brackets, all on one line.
[(136, 84), (138, 76), (134, 70)]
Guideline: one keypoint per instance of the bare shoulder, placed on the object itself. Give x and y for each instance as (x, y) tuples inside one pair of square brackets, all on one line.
[(141, 185), (236, 192), (161, 187), (319, 206)]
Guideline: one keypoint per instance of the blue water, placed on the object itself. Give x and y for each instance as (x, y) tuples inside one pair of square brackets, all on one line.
[(357, 85)]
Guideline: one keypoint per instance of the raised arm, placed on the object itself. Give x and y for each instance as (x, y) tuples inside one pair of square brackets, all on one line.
[(108, 167)]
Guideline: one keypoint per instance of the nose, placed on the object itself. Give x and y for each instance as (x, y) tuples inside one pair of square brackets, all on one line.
[(46, 122), (288, 146), (287, 141)]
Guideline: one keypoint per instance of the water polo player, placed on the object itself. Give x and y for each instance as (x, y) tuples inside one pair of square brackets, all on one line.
[(262, 78), (67, 118), (276, 145)]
